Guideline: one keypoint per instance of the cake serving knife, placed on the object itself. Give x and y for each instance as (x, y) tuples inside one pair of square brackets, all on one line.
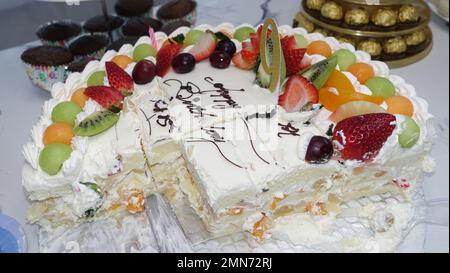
[(168, 232)]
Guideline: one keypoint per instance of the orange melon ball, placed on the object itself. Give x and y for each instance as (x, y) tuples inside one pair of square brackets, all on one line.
[(58, 133), (400, 105), (361, 71), (319, 47), (79, 97), (122, 60)]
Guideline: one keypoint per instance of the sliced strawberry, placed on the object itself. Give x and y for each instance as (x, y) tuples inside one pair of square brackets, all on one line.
[(362, 137), (298, 94), (293, 58), (241, 63), (249, 53), (165, 57), (119, 79), (288, 43), (204, 47), (108, 97)]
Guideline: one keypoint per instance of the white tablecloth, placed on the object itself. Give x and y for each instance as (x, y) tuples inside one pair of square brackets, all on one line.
[(21, 103)]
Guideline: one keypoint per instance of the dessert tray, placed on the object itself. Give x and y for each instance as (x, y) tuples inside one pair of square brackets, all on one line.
[(224, 194)]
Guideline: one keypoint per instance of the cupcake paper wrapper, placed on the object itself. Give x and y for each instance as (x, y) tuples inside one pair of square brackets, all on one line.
[(46, 76), (191, 17), (62, 43), (116, 34)]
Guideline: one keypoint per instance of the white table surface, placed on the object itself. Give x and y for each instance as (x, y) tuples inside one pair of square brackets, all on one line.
[(21, 103)]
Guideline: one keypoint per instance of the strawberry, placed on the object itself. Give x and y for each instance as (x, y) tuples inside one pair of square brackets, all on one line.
[(164, 58), (119, 79), (288, 43), (249, 52), (298, 93), (108, 97), (293, 58), (241, 63), (361, 137), (204, 47)]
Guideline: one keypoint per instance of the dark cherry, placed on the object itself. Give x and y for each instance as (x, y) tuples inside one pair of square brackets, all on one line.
[(144, 72), (220, 59), (226, 46), (320, 150), (183, 63)]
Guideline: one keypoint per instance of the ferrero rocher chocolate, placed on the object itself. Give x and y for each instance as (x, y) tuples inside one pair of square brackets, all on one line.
[(315, 4), (408, 14), (344, 39), (357, 17), (415, 38), (322, 31), (384, 17), (304, 23), (396, 45), (371, 46), (332, 10)]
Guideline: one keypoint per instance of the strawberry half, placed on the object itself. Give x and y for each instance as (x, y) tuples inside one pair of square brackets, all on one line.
[(164, 58), (298, 94), (108, 97), (204, 47), (241, 63), (249, 52), (288, 43), (361, 137), (293, 58), (119, 79)]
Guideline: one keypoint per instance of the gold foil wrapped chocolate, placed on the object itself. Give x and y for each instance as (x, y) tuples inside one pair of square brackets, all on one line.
[(384, 17), (346, 39), (408, 14), (371, 46), (315, 4), (415, 38), (393, 46), (322, 31), (357, 17), (304, 23), (332, 10)]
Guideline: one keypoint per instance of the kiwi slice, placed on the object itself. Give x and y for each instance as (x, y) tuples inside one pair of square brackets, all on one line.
[(96, 123), (319, 73)]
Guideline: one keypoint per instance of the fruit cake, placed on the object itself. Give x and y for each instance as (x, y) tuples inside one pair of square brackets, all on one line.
[(248, 124)]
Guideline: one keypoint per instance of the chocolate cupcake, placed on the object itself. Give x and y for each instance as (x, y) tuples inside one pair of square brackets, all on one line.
[(138, 26), (79, 65), (178, 10), (132, 8), (89, 46), (46, 65), (116, 45), (169, 28), (98, 25), (58, 33)]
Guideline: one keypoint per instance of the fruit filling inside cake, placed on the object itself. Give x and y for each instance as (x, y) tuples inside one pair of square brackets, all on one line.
[(247, 124)]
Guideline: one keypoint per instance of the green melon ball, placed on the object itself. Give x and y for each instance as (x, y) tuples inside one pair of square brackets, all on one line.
[(97, 78), (301, 41), (381, 87), (410, 133), (243, 33), (143, 51), (53, 156), (345, 58), (66, 112), (192, 37)]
